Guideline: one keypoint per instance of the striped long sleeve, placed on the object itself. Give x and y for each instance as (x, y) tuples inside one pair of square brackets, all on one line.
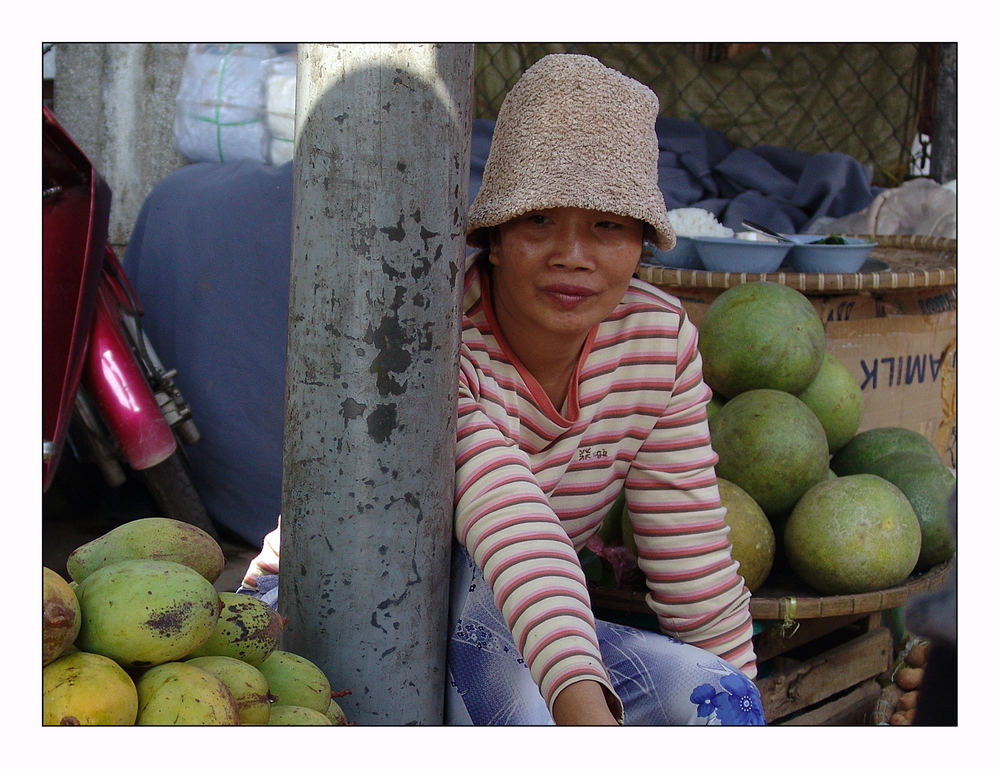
[(533, 484), (679, 523), (504, 520)]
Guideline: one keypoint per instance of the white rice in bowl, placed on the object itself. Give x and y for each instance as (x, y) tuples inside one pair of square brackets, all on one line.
[(697, 222)]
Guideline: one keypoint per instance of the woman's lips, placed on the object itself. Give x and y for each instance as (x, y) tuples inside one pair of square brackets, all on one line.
[(568, 296)]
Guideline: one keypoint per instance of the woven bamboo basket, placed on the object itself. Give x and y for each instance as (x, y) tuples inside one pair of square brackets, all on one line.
[(897, 262), (786, 598)]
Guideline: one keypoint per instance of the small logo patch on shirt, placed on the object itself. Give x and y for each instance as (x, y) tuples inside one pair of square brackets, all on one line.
[(588, 453)]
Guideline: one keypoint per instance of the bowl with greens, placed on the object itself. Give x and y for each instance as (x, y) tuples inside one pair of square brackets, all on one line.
[(827, 253)]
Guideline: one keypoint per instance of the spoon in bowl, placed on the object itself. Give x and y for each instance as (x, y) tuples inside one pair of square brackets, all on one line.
[(766, 231)]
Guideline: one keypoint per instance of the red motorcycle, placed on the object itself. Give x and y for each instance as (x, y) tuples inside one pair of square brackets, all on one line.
[(104, 390)]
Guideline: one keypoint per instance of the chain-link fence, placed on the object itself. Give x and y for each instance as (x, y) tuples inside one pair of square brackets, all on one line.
[(873, 101)]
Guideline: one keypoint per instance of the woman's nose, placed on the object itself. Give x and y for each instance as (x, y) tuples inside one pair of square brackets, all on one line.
[(572, 251)]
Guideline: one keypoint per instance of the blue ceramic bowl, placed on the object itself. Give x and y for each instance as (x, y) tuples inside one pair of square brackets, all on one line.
[(683, 255), (738, 255), (807, 256)]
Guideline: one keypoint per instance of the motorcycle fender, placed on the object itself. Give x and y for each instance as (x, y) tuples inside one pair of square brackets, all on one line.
[(124, 398)]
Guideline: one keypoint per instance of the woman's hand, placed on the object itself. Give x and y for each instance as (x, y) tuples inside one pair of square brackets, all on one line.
[(583, 704)]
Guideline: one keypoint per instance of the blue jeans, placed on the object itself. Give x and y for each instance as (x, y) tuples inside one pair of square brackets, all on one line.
[(660, 680)]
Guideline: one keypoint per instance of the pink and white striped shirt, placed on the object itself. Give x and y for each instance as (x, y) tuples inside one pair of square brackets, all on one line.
[(533, 484)]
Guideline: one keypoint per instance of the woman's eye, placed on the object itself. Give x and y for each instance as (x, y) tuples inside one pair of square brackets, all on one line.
[(537, 218), (609, 225)]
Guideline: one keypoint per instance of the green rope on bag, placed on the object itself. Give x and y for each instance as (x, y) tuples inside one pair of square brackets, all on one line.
[(217, 120), (218, 101), (788, 621)]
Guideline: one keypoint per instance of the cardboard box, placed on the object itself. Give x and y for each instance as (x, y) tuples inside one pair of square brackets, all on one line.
[(901, 347), (907, 368)]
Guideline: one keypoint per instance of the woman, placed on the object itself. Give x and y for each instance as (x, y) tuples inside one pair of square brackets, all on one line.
[(578, 380)]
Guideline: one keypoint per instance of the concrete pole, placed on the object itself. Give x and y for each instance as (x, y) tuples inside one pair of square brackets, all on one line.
[(380, 189)]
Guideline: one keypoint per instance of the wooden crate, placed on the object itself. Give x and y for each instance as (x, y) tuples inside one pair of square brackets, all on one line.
[(853, 708), (836, 674)]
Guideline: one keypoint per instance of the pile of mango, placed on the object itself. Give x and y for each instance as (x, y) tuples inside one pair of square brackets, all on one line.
[(141, 636)]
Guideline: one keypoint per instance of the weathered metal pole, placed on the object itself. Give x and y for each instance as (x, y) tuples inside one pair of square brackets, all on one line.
[(380, 189), (944, 137)]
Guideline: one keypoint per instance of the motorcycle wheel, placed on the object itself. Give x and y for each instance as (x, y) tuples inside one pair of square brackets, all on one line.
[(169, 484)]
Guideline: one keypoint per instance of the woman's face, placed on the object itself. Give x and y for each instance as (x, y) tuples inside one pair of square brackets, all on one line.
[(560, 271)]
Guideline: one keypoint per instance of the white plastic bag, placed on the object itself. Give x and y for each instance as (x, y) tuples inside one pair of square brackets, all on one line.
[(279, 104), (220, 103), (916, 207)]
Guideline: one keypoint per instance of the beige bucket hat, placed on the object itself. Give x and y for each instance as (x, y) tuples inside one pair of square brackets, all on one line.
[(572, 133)]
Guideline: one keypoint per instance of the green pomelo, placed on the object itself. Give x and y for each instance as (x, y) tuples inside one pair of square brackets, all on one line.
[(772, 446), (248, 630), (297, 715), (146, 612), (928, 485), (294, 680), (159, 539), (245, 682), (750, 534), (835, 397), (180, 694), (864, 449), (760, 336), (83, 689), (853, 534)]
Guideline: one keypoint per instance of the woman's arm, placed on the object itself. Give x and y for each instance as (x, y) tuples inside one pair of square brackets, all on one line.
[(265, 562), (679, 523), (583, 704), (504, 520)]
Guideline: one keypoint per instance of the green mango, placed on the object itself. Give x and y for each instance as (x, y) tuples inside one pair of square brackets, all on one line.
[(294, 680), (248, 630), (297, 715), (336, 714), (247, 685), (180, 694), (82, 689), (161, 539), (143, 613)]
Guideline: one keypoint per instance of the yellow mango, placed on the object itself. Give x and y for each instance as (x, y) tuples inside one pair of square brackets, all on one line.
[(60, 615), (83, 689)]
